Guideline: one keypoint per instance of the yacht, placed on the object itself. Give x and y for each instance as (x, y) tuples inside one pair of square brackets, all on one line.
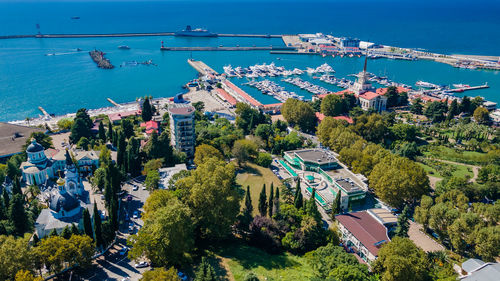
[(124, 47)]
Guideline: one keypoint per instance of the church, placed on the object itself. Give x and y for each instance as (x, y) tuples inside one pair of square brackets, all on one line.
[(66, 201)]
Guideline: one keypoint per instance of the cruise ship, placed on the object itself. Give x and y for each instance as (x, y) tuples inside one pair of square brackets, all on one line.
[(197, 32)]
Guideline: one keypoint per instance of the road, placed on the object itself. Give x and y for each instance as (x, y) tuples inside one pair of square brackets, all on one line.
[(112, 265)]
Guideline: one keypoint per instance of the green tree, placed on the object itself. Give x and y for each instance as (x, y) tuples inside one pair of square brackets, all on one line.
[(454, 109), (133, 158), (251, 277), (299, 113), (81, 127), (66, 233), (422, 211), (127, 127), (160, 274), (465, 105), (312, 208), (271, 200), (16, 255), (276, 204), (404, 132), (16, 186), (152, 181), (87, 224), (109, 134), (264, 159), (488, 242), (18, 216), (248, 118), (481, 115), (403, 223), (244, 150), (121, 150), (401, 260), (98, 228), (146, 112), (205, 271), (65, 123), (263, 201), (332, 105), (167, 236), (83, 143), (336, 205), (74, 229), (102, 132), (417, 107), (298, 199), (212, 196), (41, 138), (25, 275), (248, 208), (205, 151)]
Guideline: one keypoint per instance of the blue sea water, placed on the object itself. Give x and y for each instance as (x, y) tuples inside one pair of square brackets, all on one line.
[(68, 80)]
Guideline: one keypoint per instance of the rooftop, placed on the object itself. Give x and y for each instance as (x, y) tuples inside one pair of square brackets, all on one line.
[(13, 137), (315, 155), (181, 109), (369, 95), (480, 271), (383, 216), (366, 229), (230, 99), (120, 115), (242, 93), (348, 185), (382, 91)]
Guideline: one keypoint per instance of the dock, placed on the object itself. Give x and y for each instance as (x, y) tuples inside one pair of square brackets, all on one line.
[(43, 111), (112, 102), (202, 68), (463, 89)]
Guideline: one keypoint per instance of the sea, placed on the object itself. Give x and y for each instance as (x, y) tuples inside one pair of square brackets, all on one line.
[(51, 72)]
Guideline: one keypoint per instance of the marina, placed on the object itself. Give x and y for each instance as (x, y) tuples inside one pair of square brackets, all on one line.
[(308, 86)]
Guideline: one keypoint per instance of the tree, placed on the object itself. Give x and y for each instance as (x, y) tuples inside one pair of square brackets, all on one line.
[(160, 274), (121, 150), (16, 186), (133, 158), (276, 204), (25, 275), (454, 109), (248, 208), (244, 150), (263, 201), (264, 159), (251, 277), (248, 118), (16, 255), (152, 181), (271, 200), (298, 200), (417, 107), (81, 127), (74, 229), (403, 223), (41, 138), (102, 132), (64, 123), (312, 208), (98, 228), (205, 271), (422, 211), (109, 135), (465, 105), (299, 113), (332, 105), (401, 260), (404, 132), (167, 236), (205, 151), (397, 180), (127, 127), (18, 216), (87, 224), (212, 196), (336, 205), (264, 131), (481, 115), (146, 112), (83, 143), (488, 242), (66, 233)]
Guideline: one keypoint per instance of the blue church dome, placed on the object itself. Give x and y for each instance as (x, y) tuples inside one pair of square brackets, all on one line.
[(34, 147)]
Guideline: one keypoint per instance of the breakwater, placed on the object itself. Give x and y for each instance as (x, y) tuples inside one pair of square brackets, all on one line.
[(102, 62), (139, 34), (266, 48)]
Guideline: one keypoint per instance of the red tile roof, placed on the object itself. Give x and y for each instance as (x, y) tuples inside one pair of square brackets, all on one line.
[(120, 115), (151, 126), (242, 93), (382, 91), (339, 93), (365, 228), (230, 99), (369, 95), (273, 105), (321, 116)]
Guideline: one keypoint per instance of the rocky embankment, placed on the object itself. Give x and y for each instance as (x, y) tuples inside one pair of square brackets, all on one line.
[(102, 62)]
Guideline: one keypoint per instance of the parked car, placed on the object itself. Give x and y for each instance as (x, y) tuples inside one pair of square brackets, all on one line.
[(126, 279), (135, 215), (141, 264), (129, 198), (182, 276), (143, 187), (135, 188), (123, 251)]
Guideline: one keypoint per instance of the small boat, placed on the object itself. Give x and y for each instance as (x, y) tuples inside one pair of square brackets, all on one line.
[(75, 18), (78, 49), (124, 47)]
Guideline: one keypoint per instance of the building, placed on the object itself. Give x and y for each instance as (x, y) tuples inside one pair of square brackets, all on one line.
[(182, 134), (349, 42), (311, 159), (371, 100), (38, 168), (66, 201), (45, 164), (151, 126), (491, 106), (13, 138), (478, 270), (495, 117), (362, 234), (118, 116)]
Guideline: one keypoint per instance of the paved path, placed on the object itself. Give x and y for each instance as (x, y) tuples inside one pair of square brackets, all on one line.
[(421, 239), (475, 169)]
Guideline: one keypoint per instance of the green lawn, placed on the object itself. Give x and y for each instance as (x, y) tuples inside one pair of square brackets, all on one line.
[(467, 157), (242, 259), (255, 176), (460, 170)]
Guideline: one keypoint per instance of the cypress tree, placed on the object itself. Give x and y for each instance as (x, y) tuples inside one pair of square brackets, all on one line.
[(97, 227), (263, 201), (299, 203), (74, 229), (6, 198), (403, 224), (16, 186), (120, 154), (36, 240), (276, 204), (87, 224), (146, 113), (336, 205), (102, 132), (248, 209), (17, 215), (110, 131), (271, 200), (53, 233), (312, 208), (205, 272), (3, 214), (66, 233), (297, 189)]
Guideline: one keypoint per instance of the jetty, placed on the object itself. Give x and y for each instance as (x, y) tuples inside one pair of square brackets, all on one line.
[(45, 113), (463, 89), (221, 48), (113, 102), (102, 62)]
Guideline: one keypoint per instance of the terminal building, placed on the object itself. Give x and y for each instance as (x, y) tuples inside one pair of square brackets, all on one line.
[(182, 134)]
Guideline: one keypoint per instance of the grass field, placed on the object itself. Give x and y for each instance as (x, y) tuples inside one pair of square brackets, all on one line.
[(255, 176), (460, 171), (466, 157), (240, 259)]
